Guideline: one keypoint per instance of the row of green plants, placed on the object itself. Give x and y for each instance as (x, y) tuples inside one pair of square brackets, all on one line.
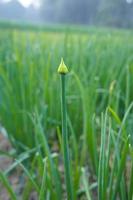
[(97, 151)]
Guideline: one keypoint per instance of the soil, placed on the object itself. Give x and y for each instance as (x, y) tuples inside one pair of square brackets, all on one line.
[(15, 177)]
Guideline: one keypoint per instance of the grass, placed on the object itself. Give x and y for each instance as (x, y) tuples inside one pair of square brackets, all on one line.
[(99, 104)]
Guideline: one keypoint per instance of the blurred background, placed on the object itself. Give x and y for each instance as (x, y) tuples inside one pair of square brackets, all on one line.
[(112, 13)]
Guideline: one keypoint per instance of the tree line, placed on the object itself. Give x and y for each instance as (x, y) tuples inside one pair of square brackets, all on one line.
[(117, 13)]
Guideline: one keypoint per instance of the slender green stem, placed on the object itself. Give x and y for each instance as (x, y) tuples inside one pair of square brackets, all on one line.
[(65, 141)]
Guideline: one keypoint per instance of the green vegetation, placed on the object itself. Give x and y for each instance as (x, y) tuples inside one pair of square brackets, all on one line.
[(99, 104), (63, 70)]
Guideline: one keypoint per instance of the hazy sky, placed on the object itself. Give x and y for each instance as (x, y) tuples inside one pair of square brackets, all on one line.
[(26, 3)]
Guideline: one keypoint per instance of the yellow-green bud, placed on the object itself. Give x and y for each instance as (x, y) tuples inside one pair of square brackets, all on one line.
[(62, 69)]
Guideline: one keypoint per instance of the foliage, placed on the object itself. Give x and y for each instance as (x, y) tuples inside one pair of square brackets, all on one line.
[(116, 13), (99, 102)]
